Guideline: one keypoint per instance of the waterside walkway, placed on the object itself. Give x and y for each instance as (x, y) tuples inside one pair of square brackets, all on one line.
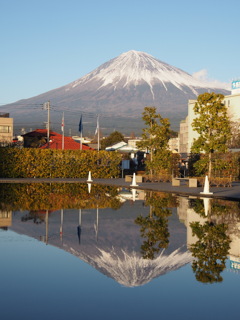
[(230, 193)]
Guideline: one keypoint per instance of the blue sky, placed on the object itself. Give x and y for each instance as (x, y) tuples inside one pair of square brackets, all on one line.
[(46, 44)]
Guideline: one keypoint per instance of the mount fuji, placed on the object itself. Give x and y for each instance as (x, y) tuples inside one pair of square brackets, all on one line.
[(115, 249), (122, 87)]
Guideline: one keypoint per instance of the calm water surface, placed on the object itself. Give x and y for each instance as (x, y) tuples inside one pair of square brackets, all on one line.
[(111, 254)]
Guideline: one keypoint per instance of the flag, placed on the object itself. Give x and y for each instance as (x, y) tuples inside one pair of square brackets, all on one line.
[(80, 125), (62, 127), (96, 131)]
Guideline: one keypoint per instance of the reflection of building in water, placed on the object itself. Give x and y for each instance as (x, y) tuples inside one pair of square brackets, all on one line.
[(131, 194), (187, 215), (232, 220), (182, 209), (5, 219), (234, 263), (235, 238)]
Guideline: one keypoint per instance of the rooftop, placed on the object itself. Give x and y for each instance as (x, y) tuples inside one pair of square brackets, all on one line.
[(56, 140)]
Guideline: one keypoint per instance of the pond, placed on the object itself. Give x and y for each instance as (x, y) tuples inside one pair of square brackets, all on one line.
[(77, 251)]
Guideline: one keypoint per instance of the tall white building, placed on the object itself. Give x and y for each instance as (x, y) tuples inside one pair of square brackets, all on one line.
[(231, 101), (183, 136)]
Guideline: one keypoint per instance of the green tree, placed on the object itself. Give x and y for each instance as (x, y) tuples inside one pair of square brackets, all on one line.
[(211, 250), (113, 138), (212, 124), (155, 138)]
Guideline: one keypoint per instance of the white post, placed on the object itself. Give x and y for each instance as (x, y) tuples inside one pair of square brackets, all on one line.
[(206, 206), (206, 187), (89, 177), (134, 192), (89, 187), (134, 184)]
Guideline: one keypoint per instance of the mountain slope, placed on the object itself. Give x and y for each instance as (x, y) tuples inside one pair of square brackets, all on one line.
[(135, 68), (123, 86)]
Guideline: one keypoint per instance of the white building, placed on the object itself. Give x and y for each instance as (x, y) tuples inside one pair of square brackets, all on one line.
[(187, 215), (173, 144), (6, 128), (231, 101), (183, 136)]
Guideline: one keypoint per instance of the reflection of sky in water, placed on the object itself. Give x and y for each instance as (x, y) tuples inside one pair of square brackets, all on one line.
[(43, 281)]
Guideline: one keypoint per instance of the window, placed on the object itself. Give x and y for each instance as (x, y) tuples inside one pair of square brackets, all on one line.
[(5, 129)]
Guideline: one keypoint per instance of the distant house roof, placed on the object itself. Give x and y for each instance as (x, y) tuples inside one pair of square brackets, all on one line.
[(122, 147), (128, 148), (56, 140), (116, 146)]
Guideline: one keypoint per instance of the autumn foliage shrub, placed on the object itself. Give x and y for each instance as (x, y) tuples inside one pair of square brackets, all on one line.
[(47, 163), (223, 165)]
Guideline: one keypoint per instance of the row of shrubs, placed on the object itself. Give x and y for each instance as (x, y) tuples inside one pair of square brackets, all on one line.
[(47, 163), (226, 165)]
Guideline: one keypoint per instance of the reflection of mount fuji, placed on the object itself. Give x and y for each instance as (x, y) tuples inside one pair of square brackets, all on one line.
[(109, 241)]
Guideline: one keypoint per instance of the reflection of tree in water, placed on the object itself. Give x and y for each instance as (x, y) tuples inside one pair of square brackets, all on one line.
[(198, 206), (54, 196), (154, 227), (211, 251), (223, 210)]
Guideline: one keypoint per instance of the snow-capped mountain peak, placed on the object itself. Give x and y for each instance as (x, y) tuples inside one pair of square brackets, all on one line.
[(123, 86), (135, 67)]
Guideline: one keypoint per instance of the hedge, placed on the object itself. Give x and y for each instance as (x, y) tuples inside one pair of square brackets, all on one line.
[(223, 165), (47, 163)]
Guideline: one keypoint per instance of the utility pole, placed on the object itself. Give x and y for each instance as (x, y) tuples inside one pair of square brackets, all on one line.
[(97, 132), (46, 106)]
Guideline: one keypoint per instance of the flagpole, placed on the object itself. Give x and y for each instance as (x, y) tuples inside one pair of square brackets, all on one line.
[(80, 130), (63, 131), (61, 226), (79, 225), (81, 142), (97, 225), (98, 132)]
